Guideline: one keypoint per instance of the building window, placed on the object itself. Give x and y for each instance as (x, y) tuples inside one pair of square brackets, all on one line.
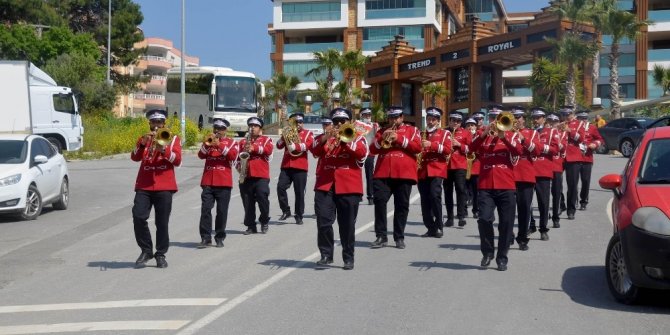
[(386, 95), (487, 89), (391, 9), (311, 11), (626, 91), (484, 9), (626, 65), (299, 68), (516, 27), (407, 98), (452, 25), (376, 38)]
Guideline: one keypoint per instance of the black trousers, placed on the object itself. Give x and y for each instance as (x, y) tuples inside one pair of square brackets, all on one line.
[(327, 206), (369, 171), (542, 191), (573, 172), (455, 178), (524, 207), (256, 191), (585, 176), (299, 180), (504, 201), (556, 195), (162, 203), (431, 203), (209, 196), (472, 187), (400, 189)]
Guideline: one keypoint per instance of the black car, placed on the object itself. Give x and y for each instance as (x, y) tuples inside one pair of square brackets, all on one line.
[(611, 131), (630, 139)]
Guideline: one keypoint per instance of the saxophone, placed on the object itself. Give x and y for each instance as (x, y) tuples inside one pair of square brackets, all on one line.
[(244, 159), (419, 156)]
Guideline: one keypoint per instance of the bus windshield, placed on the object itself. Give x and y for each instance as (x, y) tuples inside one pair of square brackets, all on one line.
[(235, 93)]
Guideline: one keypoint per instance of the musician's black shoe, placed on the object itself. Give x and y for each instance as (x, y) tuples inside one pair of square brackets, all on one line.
[(370, 202), (324, 261), (142, 260), (439, 233), (571, 216), (250, 230), (531, 230), (219, 242), (284, 216), (204, 243), (557, 225), (400, 244), (461, 222), (380, 242), (502, 266), (486, 260), (523, 246), (475, 215), (449, 223), (544, 236), (348, 265), (582, 207), (264, 228), (298, 220), (428, 234), (161, 263)]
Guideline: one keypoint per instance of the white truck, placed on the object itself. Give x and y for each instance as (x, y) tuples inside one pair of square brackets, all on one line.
[(31, 102)]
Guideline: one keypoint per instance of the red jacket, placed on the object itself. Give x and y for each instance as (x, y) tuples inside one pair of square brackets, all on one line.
[(476, 165), (458, 160), (340, 165), (398, 161), (261, 155), (218, 163), (434, 159), (157, 169), (592, 137), (524, 171), (544, 161), (299, 161), (498, 157), (367, 130), (576, 138), (559, 158)]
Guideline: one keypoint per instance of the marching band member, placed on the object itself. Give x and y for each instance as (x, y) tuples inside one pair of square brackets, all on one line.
[(498, 152), (460, 140), (475, 126), (557, 181), (544, 167), (436, 146), (369, 129), (219, 153), (395, 172), (592, 142), (338, 188), (294, 167), (524, 175), (154, 186), (574, 157), (256, 186), (326, 125)]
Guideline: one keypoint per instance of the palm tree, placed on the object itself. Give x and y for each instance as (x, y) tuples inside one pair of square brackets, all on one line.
[(279, 87), (547, 83), (572, 51), (619, 24), (661, 77), (577, 11), (352, 64), (327, 61), (434, 90)]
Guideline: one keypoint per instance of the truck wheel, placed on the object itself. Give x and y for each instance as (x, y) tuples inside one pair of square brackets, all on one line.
[(56, 143)]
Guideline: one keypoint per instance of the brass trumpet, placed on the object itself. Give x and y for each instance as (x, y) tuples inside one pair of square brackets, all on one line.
[(163, 136), (504, 122), (346, 133), (386, 141)]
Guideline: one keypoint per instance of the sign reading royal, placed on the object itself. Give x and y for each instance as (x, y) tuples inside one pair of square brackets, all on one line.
[(420, 64), (497, 47)]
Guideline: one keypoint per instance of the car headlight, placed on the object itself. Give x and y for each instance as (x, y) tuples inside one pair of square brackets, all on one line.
[(652, 220), (11, 180)]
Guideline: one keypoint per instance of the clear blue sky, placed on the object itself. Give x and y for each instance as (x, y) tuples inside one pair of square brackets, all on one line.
[(233, 33)]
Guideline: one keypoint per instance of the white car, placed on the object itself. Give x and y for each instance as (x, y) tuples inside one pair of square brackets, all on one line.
[(32, 175)]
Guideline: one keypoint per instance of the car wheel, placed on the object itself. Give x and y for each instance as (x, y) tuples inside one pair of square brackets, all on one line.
[(619, 281), (241, 133), (33, 204), (64, 197), (602, 150), (627, 147), (56, 143)]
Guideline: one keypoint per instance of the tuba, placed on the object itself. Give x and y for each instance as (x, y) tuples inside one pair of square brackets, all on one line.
[(291, 135), (244, 159)]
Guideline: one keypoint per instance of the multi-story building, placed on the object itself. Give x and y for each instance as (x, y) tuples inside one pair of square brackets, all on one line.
[(160, 56)]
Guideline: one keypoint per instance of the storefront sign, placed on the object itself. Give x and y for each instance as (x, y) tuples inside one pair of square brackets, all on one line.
[(420, 64), (497, 47)]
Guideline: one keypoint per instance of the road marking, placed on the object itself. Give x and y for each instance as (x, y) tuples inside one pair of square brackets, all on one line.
[(93, 326), (608, 209), (225, 308), (112, 304)]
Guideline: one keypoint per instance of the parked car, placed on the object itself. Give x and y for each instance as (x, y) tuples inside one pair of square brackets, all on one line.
[(313, 123), (32, 175), (628, 140), (638, 254), (610, 132)]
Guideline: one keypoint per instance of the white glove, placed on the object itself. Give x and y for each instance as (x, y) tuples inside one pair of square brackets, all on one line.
[(291, 147)]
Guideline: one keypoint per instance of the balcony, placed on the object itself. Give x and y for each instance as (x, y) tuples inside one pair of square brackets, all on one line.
[(157, 83), (151, 100), (396, 13), (312, 47), (141, 65), (161, 63), (311, 16), (659, 55), (661, 19), (377, 45)]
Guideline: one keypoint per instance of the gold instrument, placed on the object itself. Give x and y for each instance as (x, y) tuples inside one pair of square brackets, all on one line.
[(419, 156), (504, 122), (471, 159), (291, 135), (386, 141), (346, 133), (244, 159), (211, 138), (163, 136)]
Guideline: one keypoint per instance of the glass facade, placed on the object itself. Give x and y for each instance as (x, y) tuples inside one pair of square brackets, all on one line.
[(653, 90), (659, 55), (520, 91), (311, 11), (299, 68), (659, 15), (626, 93), (484, 9), (312, 47), (376, 38), (392, 9), (626, 65), (607, 40)]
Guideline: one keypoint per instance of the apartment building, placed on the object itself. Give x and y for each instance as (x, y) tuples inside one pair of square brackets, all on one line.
[(160, 56)]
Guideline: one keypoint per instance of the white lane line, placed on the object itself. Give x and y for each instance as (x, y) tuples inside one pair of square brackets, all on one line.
[(93, 326), (112, 304), (225, 308), (608, 209)]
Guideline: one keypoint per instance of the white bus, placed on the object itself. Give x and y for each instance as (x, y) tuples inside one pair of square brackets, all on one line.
[(219, 90)]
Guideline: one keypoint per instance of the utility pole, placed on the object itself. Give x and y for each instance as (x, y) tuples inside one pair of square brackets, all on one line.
[(183, 75), (109, 41)]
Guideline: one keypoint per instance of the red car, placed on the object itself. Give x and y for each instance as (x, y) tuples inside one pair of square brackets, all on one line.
[(638, 255)]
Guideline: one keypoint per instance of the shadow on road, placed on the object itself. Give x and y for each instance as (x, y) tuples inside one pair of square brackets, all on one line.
[(587, 285), (425, 266), (188, 245), (276, 264), (104, 265), (460, 246)]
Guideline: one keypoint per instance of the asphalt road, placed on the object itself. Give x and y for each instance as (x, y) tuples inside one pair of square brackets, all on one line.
[(72, 271)]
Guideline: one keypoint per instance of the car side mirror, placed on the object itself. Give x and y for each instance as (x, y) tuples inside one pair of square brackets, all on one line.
[(40, 159), (611, 182)]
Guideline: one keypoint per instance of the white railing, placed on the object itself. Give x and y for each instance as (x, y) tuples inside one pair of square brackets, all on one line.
[(142, 96), (159, 78), (156, 58)]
